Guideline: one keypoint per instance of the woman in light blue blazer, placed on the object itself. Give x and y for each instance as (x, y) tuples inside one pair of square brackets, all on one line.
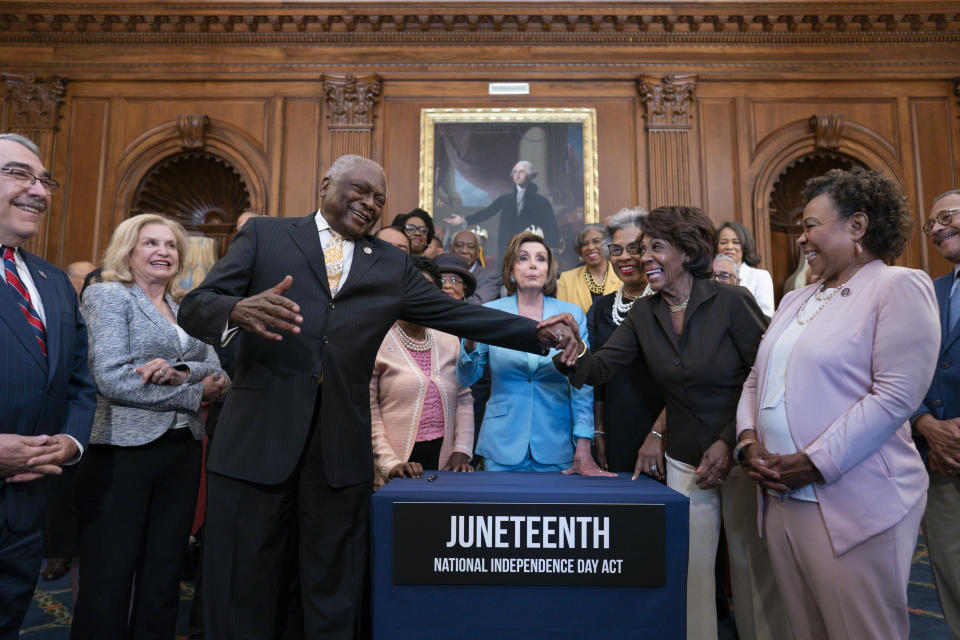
[(534, 420), (137, 484)]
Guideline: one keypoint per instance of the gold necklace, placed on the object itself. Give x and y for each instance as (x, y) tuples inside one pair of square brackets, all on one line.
[(677, 308), (592, 284)]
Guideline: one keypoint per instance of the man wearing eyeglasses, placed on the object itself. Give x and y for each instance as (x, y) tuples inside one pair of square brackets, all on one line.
[(466, 245), (936, 424), (725, 269), (48, 398)]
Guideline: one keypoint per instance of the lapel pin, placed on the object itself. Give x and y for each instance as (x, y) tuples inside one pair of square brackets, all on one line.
[(367, 250), (42, 274), (845, 292)]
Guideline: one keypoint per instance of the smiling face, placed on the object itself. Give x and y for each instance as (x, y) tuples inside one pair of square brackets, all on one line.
[(531, 267), (662, 263), (590, 248), (947, 238), (728, 243), (627, 266), (154, 259), (22, 205), (353, 203), (827, 240)]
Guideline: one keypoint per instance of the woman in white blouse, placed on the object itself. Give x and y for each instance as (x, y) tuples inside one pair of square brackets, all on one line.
[(735, 241)]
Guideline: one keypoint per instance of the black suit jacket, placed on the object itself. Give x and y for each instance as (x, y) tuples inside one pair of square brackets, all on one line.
[(277, 384), (41, 395), (537, 211), (701, 375)]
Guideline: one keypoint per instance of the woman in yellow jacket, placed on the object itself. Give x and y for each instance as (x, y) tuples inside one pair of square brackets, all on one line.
[(592, 279)]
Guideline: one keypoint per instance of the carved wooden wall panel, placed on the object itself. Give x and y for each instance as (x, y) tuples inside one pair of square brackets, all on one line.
[(929, 120), (301, 165), (718, 158)]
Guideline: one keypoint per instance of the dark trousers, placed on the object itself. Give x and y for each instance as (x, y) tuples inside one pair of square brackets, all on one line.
[(262, 534), (19, 567), (136, 508), (60, 528)]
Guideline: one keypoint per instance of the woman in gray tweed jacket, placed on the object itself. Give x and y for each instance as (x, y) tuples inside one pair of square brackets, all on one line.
[(137, 485)]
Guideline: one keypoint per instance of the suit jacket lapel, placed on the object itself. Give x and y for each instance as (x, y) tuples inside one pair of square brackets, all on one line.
[(52, 303), (164, 326), (365, 255), (699, 293), (948, 334), (11, 313), (662, 313), (307, 239)]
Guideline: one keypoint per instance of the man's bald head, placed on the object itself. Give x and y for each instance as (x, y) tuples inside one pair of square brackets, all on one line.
[(77, 272)]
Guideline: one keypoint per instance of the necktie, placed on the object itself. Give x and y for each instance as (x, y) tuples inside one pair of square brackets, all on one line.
[(954, 309), (23, 298), (333, 257)]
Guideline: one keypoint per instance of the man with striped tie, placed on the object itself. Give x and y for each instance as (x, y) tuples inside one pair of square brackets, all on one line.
[(47, 398)]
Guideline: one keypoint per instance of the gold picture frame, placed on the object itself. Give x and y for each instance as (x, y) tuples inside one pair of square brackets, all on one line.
[(501, 137)]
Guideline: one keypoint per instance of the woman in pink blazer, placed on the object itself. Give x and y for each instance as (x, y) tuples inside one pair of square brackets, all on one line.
[(421, 418), (823, 419)]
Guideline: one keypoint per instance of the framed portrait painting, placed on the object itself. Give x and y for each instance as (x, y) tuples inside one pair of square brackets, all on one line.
[(502, 171)]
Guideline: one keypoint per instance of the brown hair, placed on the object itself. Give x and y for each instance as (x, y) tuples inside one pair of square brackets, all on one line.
[(511, 255), (689, 230)]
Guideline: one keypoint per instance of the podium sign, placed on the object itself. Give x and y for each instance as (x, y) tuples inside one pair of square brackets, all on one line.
[(572, 544)]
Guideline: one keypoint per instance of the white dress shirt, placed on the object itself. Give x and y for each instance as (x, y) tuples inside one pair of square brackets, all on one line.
[(760, 284)]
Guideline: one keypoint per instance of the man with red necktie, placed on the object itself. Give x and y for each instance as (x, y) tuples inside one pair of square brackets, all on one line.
[(48, 397)]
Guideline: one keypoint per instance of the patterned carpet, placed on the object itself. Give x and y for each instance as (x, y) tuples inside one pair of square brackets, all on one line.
[(51, 611)]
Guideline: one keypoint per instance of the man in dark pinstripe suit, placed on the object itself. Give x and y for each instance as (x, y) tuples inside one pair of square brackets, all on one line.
[(47, 398), (292, 457)]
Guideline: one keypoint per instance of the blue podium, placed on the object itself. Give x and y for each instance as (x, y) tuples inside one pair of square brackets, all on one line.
[(528, 555)]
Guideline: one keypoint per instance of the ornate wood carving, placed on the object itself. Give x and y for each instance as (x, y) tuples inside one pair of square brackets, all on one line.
[(792, 22), (827, 130), (32, 104), (666, 99), (666, 102), (351, 99), (193, 130)]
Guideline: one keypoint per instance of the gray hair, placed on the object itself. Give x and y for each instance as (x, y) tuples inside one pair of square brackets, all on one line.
[(626, 217), (532, 170), (945, 194), (346, 162), (583, 232), (723, 256), (24, 142)]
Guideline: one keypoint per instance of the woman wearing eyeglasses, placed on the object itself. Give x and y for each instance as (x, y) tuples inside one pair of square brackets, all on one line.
[(418, 225), (420, 416), (583, 285), (823, 421), (625, 408)]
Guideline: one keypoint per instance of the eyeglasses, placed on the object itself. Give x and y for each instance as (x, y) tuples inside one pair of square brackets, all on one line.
[(451, 280), (412, 228), (20, 175), (633, 248), (724, 276), (465, 245), (943, 217)]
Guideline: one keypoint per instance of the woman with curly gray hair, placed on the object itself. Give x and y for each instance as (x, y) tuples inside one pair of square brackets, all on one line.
[(823, 421), (583, 285)]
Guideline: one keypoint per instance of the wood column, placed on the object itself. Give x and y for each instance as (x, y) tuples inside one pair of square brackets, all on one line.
[(671, 156), (351, 101), (31, 107)]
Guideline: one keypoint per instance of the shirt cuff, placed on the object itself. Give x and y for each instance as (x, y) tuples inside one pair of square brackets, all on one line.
[(77, 457), (228, 334)]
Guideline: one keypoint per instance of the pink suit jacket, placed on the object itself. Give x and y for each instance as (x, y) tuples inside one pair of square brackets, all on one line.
[(854, 377)]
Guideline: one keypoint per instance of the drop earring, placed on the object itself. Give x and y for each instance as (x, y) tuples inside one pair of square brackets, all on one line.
[(857, 247)]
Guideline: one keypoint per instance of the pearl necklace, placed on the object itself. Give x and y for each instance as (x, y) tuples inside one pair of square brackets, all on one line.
[(823, 298), (621, 308), (592, 284), (414, 345)]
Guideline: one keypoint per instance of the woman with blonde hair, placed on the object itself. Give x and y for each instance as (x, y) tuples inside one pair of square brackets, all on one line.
[(137, 484)]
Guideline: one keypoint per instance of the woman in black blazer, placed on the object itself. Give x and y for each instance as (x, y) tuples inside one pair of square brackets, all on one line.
[(698, 339)]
